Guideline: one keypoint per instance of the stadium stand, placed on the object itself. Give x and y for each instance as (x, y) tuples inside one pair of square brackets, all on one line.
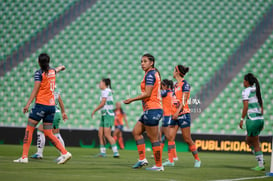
[(21, 20), (109, 39), (224, 114)]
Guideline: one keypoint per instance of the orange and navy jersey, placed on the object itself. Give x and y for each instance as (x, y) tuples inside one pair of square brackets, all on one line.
[(45, 94), (151, 78), (119, 116), (179, 89), (167, 101)]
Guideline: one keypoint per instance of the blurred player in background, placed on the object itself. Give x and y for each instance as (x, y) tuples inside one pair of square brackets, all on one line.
[(181, 117), (151, 102), (120, 115), (167, 102), (56, 122), (253, 111), (107, 118), (44, 108)]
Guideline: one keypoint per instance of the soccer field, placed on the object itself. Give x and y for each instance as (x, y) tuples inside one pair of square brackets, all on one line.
[(84, 166)]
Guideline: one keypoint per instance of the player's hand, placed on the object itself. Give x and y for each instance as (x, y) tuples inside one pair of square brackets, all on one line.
[(92, 115), (127, 101), (25, 109), (241, 124), (175, 116), (64, 116), (62, 67)]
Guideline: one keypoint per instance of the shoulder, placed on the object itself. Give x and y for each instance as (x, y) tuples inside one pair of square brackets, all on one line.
[(38, 75), (185, 86), (150, 77), (245, 93)]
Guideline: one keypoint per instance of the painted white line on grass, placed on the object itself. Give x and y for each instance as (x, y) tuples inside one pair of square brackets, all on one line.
[(246, 178)]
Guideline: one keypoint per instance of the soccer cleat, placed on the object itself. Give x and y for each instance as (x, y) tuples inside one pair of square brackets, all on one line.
[(197, 164), (175, 159), (101, 155), (36, 156), (258, 168), (21, 160), (116, 155), (140, 163), (168, 163), (64, 158), (59, 158), (155, 168)]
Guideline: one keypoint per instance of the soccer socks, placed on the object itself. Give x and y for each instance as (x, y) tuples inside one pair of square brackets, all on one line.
[(58, 135), (162, 141), (27, 140), (194, 152), (260, 158), (157, 153), (115, 138), (171, 149), (141, 148), (174, 151), (114, 148), (40, 142), (102, 149), (121, 144), (54, 140)]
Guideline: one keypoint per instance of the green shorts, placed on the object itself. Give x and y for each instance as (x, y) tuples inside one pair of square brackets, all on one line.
[(57, 119), (107, 121), (254, 127)]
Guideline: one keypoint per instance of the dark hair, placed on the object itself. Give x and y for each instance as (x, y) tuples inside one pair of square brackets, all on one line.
[(182, 70), (107, 82), (44, 60), (168, 83), (253, 80), (121, 110), (152, 59), (171, 84)]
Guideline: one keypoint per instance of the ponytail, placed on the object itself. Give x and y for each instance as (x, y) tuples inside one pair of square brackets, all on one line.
[(251, 79), (258, 92), (44, 60), (182, 70)]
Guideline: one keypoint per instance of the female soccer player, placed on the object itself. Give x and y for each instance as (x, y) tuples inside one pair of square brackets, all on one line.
[(55, 130), (107, 118), (181, 117), (167, 102), (119, 116), (44, 108), (253, 111), (151, 102)]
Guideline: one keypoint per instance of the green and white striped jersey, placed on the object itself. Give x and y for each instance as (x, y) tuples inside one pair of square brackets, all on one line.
[(108, 108), (254, 108)]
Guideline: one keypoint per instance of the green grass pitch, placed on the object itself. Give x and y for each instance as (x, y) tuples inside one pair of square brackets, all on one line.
[(84, 166)]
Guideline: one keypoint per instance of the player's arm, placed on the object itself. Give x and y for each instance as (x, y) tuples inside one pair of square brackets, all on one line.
[(244, 112), (126, 121), (102, 103), (60, 68), (185, 96), (33, 94), (147, 93), (62, 108)]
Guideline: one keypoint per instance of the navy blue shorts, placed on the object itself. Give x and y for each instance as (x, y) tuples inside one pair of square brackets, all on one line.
[(183, 121), (120, 127), (46, 113), (151, 117), (166, 121)]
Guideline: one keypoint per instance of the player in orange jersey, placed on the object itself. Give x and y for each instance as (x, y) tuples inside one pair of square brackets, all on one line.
[(151, 103), (44, 108), (181, 117), (167, 102), (119, 117)]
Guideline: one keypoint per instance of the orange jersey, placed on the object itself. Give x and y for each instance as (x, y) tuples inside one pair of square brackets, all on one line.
[(179, 89), (119, 116), (167, 102), (151, 78), (45, 94)]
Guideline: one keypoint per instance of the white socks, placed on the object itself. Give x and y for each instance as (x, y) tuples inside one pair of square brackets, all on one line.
[(40, 142)]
